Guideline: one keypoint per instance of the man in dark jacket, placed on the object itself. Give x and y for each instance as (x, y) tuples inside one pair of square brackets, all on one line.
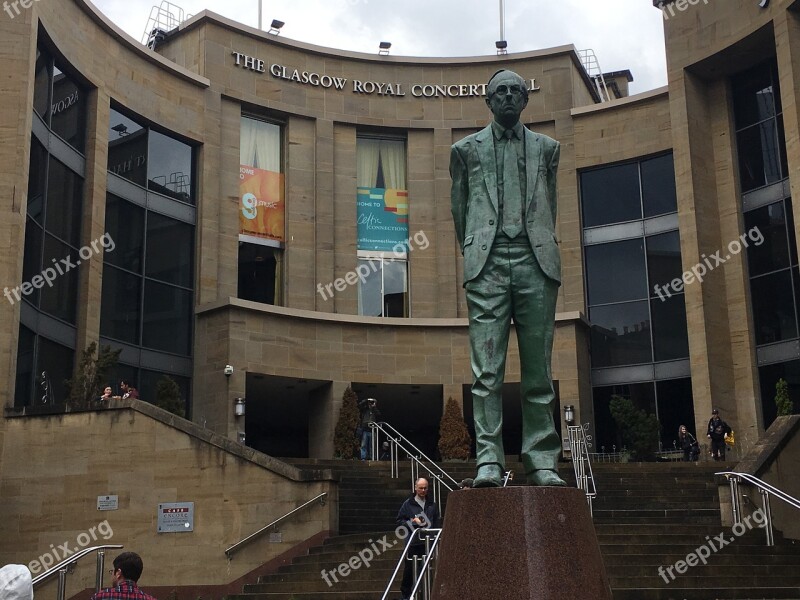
[(417, 512), (717, 429), (369, 414)]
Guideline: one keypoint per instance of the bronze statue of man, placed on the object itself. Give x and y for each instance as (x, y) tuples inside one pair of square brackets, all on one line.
[(504, 208)]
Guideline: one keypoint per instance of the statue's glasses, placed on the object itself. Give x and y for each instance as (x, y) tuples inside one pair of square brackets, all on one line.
[(504, 90)]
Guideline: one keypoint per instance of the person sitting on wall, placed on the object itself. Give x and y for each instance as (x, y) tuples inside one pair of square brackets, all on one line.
[(128, 568), (128, 391), (108, 394), (717, 429), (369, 414)]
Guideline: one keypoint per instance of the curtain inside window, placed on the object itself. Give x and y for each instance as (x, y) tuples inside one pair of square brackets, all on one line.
[(260, 145), (393, 159), (367, 157)]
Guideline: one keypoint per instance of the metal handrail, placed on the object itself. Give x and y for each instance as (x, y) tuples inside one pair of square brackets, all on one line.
[(581, 463), (61, 569), (415, 454), (430, 550), (233, 549), (765, 489)]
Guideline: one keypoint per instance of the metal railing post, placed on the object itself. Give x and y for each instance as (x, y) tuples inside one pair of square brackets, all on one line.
[(767, 517), (735, 502), (62, 583), (428, 583), (98, 579)]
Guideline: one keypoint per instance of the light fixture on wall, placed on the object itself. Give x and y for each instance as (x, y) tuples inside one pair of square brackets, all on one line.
[(569, 414), (275, 27), (383, 48), (238, 407), (241, 437)]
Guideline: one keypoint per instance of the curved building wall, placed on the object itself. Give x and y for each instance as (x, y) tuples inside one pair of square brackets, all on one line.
[(310, 330)]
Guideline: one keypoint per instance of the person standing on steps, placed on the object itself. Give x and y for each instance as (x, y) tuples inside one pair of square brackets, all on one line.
[(688, 443), (717, 429), (369, 414), (417, 512)]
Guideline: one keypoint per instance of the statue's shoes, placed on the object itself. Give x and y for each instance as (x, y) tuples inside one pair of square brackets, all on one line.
[(488, 476), (545, 477)]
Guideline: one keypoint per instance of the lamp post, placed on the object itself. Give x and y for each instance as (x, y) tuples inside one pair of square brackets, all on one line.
[(569, 414)]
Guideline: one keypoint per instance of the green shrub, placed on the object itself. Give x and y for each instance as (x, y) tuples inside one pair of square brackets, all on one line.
[(454, 439), (783, 402), (639, 429), (345, 442), (87, 384), (168, 396)]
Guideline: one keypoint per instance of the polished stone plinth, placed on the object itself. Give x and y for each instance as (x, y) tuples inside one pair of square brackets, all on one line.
[(519, 543)]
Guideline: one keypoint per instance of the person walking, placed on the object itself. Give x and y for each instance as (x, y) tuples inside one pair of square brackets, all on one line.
[(417, 512)]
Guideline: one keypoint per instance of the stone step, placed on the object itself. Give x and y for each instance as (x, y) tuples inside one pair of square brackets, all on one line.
[(707, 581), (729, 593), (327, 595), (719, 560), (647, 515)]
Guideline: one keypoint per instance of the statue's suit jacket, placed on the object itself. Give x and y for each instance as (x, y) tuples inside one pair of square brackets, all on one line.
[(475, 205)]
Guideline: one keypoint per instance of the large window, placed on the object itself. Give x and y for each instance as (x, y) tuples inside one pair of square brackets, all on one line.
[(148, 278), (772, 248), (59, 100), (43, 367), (149, 158), (53, 249), (52, 235), (628, 192), (760, 138), (382, 222), (636, 316), (262, 231), (639, 336)]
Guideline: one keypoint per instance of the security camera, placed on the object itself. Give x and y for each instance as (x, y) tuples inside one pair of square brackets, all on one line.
[(228, 370)]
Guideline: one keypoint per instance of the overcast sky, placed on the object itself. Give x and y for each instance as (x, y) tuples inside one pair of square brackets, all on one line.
[(625, 34)]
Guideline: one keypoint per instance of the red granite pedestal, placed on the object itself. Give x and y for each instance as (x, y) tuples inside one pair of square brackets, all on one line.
[(519, 543)]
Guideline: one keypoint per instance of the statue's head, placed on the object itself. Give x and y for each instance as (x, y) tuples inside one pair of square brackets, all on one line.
[(506, 97)]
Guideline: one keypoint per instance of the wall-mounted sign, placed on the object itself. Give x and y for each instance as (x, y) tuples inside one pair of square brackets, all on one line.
[(176, 517), (368, 88), (382, 219), (261, 210), (107, 502)]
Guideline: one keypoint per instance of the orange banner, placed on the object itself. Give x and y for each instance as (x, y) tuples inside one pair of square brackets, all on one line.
[(261, 203)]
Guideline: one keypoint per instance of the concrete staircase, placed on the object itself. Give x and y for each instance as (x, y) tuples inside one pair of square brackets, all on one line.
[(647, 516)]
